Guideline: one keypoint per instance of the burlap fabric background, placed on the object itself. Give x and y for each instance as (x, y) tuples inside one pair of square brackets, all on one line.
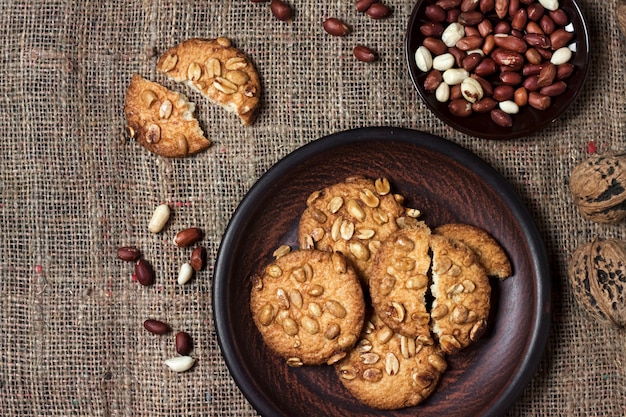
[(73, 188)]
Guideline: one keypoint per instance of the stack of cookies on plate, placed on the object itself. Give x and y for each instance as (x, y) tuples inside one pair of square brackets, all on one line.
[(376, 293)]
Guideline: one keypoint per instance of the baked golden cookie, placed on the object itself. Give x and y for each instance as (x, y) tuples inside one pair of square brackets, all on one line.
[(308, 305), (399, 282), (490, 253), (461, 292), (162, 120), (217, 70), (352, 217), (388, 371)]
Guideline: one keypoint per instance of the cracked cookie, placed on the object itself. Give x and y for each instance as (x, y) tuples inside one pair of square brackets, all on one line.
[(161, 120), (218, 71), (308, 306)]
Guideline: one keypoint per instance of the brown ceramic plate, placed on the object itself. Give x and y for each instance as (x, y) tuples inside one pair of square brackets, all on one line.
[(528, 120), (449, 184)]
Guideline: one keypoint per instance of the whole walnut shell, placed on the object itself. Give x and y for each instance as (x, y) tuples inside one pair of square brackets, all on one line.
[(597, 272), (598, 186)]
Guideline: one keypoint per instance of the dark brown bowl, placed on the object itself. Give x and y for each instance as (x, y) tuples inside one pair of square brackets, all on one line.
[(528, 120), (446, 182)]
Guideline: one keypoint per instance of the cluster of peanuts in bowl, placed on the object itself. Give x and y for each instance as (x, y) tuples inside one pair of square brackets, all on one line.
[(496, 56)]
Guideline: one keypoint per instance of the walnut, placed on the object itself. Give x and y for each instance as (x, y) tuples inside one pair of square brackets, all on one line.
[(598, 186), (597, 272)]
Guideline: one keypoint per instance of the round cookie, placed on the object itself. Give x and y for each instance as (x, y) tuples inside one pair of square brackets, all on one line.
[(308, 306), (352, 217), (217, 70), (489, 252), (399, 282), (389, 371), (461, 292)]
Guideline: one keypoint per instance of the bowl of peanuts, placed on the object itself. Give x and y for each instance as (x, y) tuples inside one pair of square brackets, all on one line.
[(497, 69)]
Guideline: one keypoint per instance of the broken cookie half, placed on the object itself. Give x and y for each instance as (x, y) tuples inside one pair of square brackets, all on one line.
[(218, 71), (162, 120)]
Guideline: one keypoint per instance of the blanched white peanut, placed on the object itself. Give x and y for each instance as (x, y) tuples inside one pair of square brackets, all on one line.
[(551, 5), (159, 218), (185, 273), (452, 34), (423, 59), (561, 56), (444, 61), (454, 76), (180, 363), (471, 89), (509, 106), (442, 93)]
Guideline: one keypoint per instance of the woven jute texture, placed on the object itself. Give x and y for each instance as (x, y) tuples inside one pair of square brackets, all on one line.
[(74, 187)]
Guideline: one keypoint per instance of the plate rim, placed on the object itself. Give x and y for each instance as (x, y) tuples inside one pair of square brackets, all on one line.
[(538, 339)]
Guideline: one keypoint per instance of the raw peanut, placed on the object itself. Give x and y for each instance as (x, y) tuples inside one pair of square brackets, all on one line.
[(507, 58), (198, 258), (564, 71), (455, 92), (486, 67), (502, 8), (378, 11), (555, 89), (485, 28), (280, 10), (560, 38), (364, 54), (470, 18), (510, 42), (535, 11), (469, 42), (160, 216), (533, 56), (503, 92), (144, 272), (128, 253), (452, 15), (335, 27), (460, 107), (363, 5), (502, 27), (519, 19), (530, 83), (539, 101), (532, 69), (546, 54), (513, 7), (546, 75), (434, 45), (184, 343), (448, 4), (485, 105), (533, 27), (432, 80), (434, 29), (184, 274), (180, 363), (561, 56), (487, 87), (520, 96), (188, 237), (547, 24), (539, 41), (486, 5), (559, 17), (471, 61), (489, 44), (511, 78), (471, 31), (459, 55), (469, 5), (156, 326), (501, 118), (435, 13)]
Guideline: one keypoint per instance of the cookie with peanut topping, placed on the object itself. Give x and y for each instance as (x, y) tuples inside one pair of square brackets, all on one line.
[(491, 255), (217, 70), (399, 282), (162, 120), (308, 306), (462, 294), (388, 371), (352, 217)]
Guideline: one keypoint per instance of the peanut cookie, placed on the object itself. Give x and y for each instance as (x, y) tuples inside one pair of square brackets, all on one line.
[(161, 120), (308, 305), (461, 292), (352, 217), (399, 281), (489, 252), (389, 371), (218, 71)]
